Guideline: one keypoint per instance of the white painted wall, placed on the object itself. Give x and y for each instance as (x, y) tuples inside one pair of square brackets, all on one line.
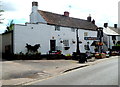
[(42, 34), (108, 34), (65, 34), (35, 17), (31, 34), (84, 42)]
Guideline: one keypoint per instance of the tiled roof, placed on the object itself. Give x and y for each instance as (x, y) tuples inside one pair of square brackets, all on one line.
[(111, 31), (61, 20), (117, 30)]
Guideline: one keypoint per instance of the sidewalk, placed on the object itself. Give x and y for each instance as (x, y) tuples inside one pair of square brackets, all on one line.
[(24, 71)]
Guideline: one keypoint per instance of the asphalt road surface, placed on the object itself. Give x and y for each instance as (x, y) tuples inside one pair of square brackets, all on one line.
[(103, 73)]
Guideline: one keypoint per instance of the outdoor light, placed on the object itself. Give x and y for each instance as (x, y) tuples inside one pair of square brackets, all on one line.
[(73, 42), (80, 42), (61, 41)]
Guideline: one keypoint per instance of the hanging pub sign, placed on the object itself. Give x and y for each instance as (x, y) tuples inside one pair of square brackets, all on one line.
[(91, 38)]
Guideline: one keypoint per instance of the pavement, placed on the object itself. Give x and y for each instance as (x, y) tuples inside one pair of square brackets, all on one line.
[(20, 72)]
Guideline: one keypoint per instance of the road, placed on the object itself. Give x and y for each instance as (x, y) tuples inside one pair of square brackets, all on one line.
[(103, 73)]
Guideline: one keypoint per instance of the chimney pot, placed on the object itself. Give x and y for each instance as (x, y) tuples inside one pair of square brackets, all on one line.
[(105, 25), (34, 3), (66, 13), (89, 18), (93, 21), (115, 25)]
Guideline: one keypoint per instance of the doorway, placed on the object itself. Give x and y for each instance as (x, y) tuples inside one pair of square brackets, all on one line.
[(52, 45)]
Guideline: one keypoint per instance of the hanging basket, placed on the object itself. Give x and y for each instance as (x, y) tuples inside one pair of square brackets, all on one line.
[(100, 43), (61, 41), (100, 55)]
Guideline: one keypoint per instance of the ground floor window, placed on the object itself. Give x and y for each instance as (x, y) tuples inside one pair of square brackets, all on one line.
[(66, 43)]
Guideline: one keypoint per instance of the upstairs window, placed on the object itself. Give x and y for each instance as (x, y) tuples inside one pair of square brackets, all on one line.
[(85, 33), (57, 28), (73, 29)]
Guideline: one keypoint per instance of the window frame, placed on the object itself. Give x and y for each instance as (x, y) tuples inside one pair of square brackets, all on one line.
[(57, 28), (66, 43), (85, 34)]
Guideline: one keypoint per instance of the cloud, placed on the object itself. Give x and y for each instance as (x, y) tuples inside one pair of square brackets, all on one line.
[(8, 6), (100, 10)]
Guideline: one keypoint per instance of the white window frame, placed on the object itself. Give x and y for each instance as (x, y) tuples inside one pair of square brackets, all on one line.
[(57, 28), (85, 33), (66, 43)]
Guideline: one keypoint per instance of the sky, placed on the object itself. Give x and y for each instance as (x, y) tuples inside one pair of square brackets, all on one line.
[(101, 10)]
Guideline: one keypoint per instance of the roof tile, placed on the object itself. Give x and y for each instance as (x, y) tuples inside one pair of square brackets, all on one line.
[(61, 20)]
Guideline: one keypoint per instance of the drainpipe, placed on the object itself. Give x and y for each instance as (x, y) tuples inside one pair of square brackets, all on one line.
[(77, 49), (109, 42)]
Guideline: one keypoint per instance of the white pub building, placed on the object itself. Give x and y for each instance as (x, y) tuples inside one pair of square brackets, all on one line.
[(52, 31)]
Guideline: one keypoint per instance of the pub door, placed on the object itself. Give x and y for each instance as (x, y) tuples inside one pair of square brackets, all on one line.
[(52, 45)]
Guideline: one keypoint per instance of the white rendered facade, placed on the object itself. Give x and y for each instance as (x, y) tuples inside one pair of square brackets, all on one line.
[(43, 33), (38, 31)]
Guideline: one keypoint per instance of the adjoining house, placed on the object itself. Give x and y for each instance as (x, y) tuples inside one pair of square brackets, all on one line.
[(52, 31), (7, 42), (111, 36)]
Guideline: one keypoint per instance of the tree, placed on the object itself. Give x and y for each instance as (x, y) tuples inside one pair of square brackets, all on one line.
[(1, 11), (10, 26)]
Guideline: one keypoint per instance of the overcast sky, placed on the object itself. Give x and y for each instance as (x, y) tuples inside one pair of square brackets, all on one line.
[(101, 10)]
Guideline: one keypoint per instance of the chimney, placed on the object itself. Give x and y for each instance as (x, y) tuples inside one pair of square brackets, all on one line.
[(66, 13), (105, 25), (89, 18), (34, 6), (93, 21), (115, 25)]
